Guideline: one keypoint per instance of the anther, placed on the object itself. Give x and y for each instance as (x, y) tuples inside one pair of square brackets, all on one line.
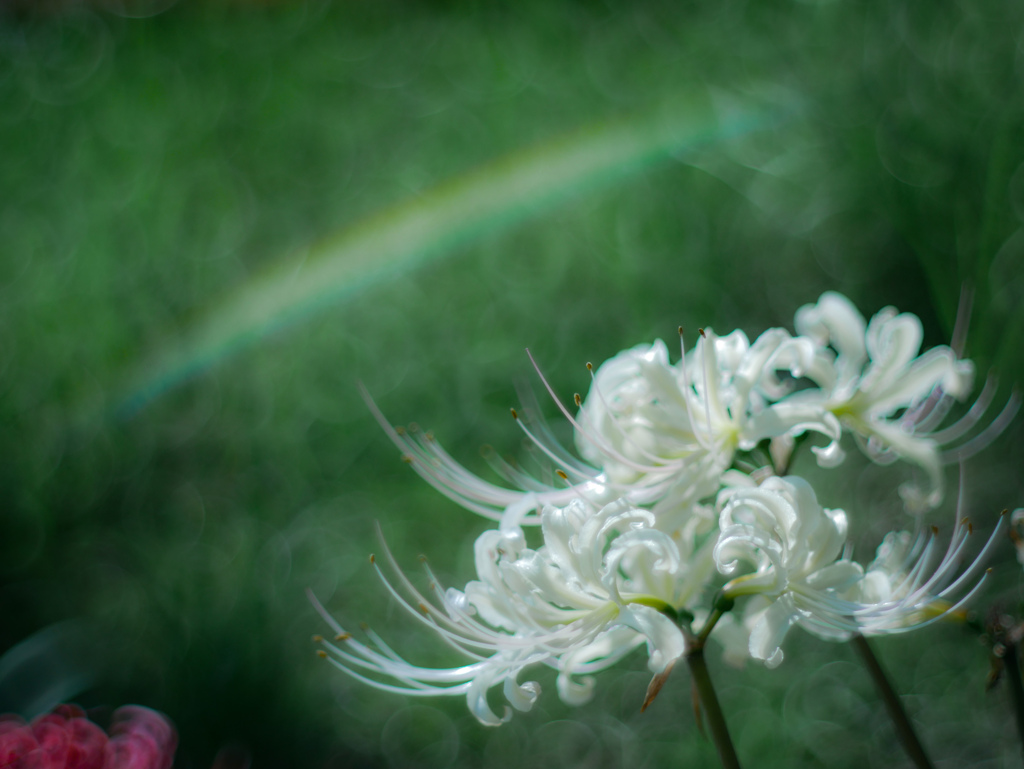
[(372, 559), (423, 608), (590, 367), (429, 435), (407, 458), (515, 414), (680, 331), (321, 654), (561, 474), (318, 639), (342, 636), (399, 429), (579, 401), (701, 332), (935, 530)]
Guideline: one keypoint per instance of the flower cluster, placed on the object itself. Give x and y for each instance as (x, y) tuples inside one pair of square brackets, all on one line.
[(680, 494), (139, 738)]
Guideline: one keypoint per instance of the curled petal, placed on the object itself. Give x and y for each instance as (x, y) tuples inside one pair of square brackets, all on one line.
[(834, 320), (575, 684), (521, 696), (770, 630), (476, 698), (665, 642)]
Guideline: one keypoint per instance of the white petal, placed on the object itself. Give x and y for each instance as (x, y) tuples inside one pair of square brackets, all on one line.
[(914, 382), (834, 320), (769, 632), (476, 699), (665, 642), (521, 696), (892, 342)]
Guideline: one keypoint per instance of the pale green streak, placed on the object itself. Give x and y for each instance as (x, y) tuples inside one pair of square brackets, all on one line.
[(399, 237)]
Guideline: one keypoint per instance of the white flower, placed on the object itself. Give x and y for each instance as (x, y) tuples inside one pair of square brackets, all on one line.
[(603, 583), (794, 547), (792, 544), (890, 397), (669, 432), (904, 588), (665, 434)]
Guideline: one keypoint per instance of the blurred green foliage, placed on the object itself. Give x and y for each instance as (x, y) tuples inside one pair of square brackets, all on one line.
[(156, 169)]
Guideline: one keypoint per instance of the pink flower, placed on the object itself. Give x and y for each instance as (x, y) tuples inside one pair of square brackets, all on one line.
[(18, 747), (69, 740), (66, 739), (140, 739)]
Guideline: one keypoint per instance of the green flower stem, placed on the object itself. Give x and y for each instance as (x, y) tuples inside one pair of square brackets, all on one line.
[(723, 604), (904, 729), (709, 701), (1012, 663)]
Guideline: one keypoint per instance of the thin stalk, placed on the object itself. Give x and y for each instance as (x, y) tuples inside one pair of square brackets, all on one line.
[(709, 700), (1012, 663), (904, 729), (702, 637)]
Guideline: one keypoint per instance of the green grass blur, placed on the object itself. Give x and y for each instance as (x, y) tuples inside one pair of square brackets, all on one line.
[(184, 450)]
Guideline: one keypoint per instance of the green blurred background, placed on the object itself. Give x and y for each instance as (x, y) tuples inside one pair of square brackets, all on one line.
[(216, 219)]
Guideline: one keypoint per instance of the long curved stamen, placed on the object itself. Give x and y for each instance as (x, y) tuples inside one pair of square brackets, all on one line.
[(968, 420), (983, 439), (891, 618), (705, 442), (980, 560), (941, 574), (703, 345), (654, 458), (543, 431), (963, 320), (600, 443), (432, 463), (324, 614), (925, 416), (510, 470), (553, 456), (426, 614), (464, 629)]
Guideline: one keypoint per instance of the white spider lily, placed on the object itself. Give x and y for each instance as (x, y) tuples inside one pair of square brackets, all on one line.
[(904, 588), (793, 545), (891, 397), (597, 589), (673, 430), (798, 576)]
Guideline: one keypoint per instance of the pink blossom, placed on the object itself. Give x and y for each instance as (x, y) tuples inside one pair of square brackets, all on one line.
[(65, 738)]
